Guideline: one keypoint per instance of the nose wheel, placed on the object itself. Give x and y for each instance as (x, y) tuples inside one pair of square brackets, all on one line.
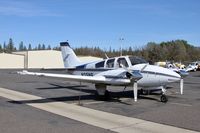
[(163, 98)]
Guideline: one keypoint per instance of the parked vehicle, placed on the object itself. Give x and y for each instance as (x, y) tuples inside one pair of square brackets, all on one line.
[(198, 65), (192, 66), (180, 65)]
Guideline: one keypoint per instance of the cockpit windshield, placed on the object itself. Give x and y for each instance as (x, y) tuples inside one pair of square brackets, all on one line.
[(137, 60)]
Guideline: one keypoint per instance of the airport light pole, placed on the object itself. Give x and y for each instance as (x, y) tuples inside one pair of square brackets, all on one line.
[(121, 39)]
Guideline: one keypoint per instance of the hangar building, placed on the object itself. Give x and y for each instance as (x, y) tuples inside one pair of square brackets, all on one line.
[(11, 61), (36, 59)]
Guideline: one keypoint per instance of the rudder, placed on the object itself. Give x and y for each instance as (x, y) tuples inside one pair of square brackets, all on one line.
[(69, 57)]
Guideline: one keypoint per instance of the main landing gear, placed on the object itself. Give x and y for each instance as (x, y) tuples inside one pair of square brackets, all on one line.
[(102, 93)]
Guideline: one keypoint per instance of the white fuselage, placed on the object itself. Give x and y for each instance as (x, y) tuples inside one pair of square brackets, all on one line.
[(153, 76)]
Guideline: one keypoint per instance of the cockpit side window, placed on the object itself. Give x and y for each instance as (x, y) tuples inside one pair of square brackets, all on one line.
[(122, 62), (99, 64), (137, 60), (110, 63)]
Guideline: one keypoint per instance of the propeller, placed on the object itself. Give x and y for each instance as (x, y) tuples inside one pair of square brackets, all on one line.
[(134, 76), (138, 76), (181, 85), (135, 90), (183, 74)]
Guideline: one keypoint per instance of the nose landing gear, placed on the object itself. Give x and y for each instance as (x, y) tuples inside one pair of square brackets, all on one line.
[(163, 97)]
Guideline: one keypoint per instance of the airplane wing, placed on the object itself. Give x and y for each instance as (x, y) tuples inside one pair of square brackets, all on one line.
[(97, 79), (90, 79), (118, 77)]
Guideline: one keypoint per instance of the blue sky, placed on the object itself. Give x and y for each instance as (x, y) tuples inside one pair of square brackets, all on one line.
[(99, 22)]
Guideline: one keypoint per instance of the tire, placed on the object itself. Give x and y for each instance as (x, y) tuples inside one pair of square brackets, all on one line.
[(104, 97), (107, 95), (144, 92), (163, 98)]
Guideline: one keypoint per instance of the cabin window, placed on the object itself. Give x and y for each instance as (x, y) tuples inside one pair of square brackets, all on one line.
[(100, 64), (121, 62), (110, 63)]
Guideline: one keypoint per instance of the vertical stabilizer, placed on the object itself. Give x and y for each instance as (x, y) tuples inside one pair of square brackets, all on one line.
[(69, 57)]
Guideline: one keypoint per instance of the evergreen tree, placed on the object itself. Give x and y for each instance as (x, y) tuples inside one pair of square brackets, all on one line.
[(1, 49), (49, 47), (56, 48), (29, 47), (21, 46), (24, 48), (10, 46), (43, 47), (39, 47), (4, 47)]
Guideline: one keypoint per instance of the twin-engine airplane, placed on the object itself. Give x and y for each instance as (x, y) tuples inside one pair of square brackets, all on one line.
[(118, 71)]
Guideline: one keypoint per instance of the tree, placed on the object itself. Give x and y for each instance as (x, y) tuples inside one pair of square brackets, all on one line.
[(29, 47), (43, 47), (39, 47), (130, 51), (21, 46), (180, 50), (1, 49), (24, 48), (49, 47), (58, 48), (4, 47), (10, 46), (153, 51)]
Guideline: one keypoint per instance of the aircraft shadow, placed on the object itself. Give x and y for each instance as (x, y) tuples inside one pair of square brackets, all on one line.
[(55, 99), (113, 96), (71, 87), (120, 94)]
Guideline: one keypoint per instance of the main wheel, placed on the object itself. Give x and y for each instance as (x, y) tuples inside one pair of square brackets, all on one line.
[(144, 92), (163, 98), (104, 97)]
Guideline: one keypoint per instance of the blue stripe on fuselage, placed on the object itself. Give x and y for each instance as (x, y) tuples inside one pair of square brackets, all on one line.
[(92, 69), (98, 70)]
